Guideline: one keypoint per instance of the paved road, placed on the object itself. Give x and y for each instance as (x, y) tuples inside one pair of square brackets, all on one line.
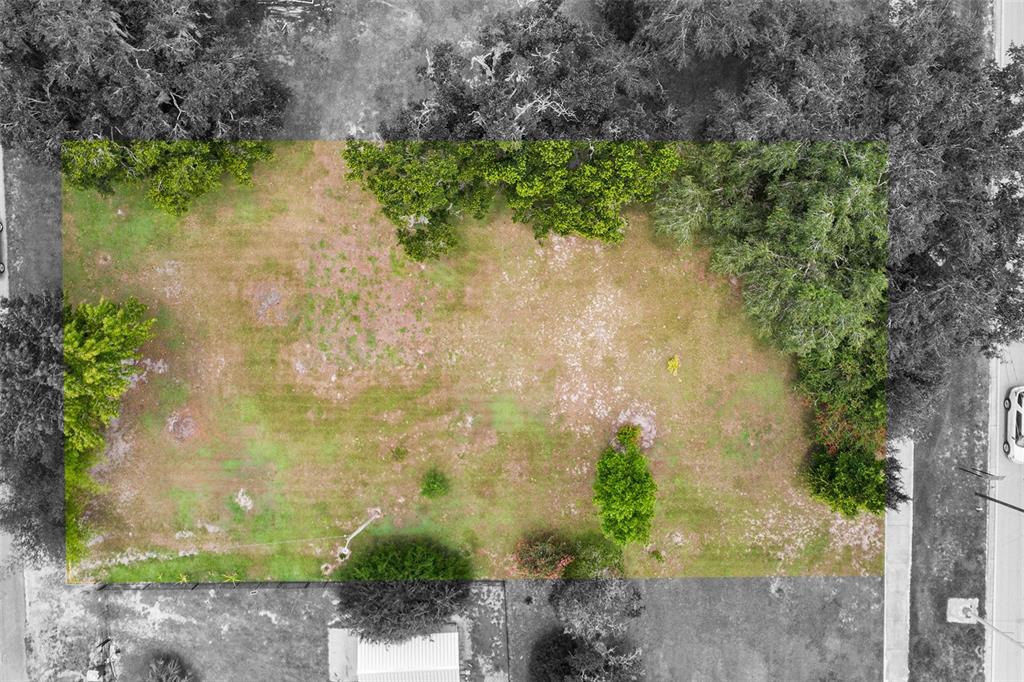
[(1005, 660), (1008, 26), (12, 586), (1005, 570)]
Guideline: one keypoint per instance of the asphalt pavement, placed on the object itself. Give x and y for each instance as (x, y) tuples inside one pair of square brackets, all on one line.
[(1004, 659), (1007, 25)]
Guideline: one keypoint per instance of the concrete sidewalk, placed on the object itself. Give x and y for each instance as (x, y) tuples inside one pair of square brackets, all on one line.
[(1004, 598), (12, 587), (899, 527)]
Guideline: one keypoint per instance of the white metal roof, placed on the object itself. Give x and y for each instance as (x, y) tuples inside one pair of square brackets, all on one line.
[(421, 659), (432, 658)]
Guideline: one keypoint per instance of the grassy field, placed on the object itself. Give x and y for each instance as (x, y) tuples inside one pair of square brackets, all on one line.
[(304, 371)]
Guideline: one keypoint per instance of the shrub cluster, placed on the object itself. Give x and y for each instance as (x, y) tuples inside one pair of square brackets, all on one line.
[(550, 555), (557, 186), (175, 173), (400, 587), (624, 490), (101, 343)]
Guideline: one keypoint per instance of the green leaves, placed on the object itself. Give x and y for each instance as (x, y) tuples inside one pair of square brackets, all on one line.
[(581, 187), (176, 173), (850, 481), (422, 187), (31, 385), (435, 483), (563, 187), (624, 490), (804, 225), (117, 69), (406, 558), (101, 344)]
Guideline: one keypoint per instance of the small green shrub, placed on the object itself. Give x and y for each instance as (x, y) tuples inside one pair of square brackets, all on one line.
[(399, 453), (594, 556), (849, 481), (168, 668), (544, 554), (400, 587), (624, 490), (406, 558), (435, 484)]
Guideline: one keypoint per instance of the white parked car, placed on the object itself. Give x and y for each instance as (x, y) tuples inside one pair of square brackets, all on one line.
[(1013, 446)]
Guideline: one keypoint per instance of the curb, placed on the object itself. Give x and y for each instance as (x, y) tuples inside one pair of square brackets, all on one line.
[(899, 532), (990, 518)]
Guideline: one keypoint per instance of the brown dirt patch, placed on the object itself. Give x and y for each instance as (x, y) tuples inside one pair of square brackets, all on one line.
[(182, 426), (270, 301)]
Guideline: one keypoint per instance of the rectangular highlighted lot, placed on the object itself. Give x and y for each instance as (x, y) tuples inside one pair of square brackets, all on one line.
[(692, 389)]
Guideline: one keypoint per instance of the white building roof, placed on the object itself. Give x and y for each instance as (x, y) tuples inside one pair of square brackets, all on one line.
[(432, 658)]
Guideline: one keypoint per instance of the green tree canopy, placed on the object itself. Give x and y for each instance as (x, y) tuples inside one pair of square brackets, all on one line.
[(120, 69), (919, 76), (556, 186), (31, 399), (175, 173), (534, 73), (804, 226)]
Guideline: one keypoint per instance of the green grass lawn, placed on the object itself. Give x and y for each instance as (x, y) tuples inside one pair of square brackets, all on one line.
[(322, 374)]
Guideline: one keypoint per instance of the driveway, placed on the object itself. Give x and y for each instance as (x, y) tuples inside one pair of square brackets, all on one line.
[(12, 619), (1004, 661)]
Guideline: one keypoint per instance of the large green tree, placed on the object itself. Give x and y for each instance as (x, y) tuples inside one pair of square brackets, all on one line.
[(534, 73), (31, 398), (122, 69), (804, 226), (920, 77), (556, 186)]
